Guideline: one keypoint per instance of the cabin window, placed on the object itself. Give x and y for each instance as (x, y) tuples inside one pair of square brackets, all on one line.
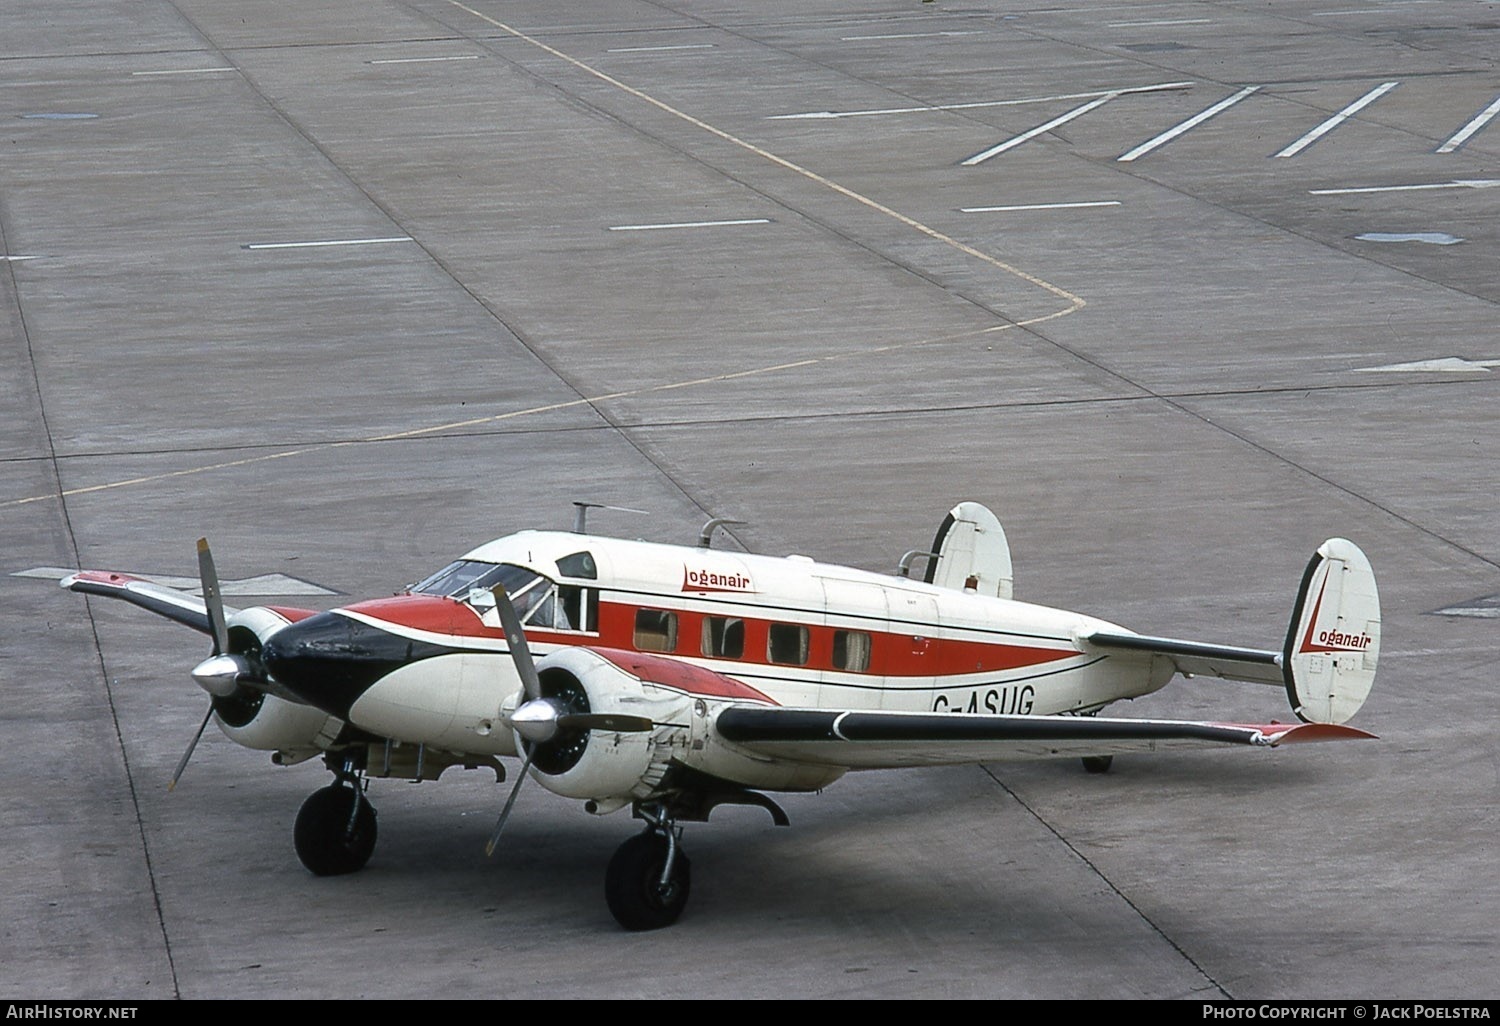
[(655, 630), (724, 636), (787, 643), (851, 651)]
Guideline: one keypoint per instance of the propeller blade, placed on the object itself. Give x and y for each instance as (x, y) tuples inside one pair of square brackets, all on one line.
[(619, 723), (515, 637), (494, 841), (211, 597), (182, 763)]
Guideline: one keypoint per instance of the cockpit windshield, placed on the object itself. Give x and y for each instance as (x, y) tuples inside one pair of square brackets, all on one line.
[(473, 582)]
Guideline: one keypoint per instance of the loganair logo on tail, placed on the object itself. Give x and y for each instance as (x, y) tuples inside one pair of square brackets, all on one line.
[(709, 580), (1331, 640)]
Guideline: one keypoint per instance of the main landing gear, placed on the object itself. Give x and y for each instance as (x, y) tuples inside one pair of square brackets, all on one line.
[(335, 830), (648, 879)]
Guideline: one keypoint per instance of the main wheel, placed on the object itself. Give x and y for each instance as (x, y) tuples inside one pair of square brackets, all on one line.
[(324, 842), (633, 887), (1097, 763)]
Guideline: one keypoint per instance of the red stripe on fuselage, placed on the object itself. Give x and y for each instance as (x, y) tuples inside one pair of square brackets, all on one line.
[(892, 653)]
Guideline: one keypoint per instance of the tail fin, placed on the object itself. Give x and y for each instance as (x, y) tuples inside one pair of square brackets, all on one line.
[(971, 552), (1333, 642)]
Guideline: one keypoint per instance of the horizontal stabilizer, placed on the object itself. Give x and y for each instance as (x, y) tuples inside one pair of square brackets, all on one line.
[(887, 740), (1195, 659), (179, 606)]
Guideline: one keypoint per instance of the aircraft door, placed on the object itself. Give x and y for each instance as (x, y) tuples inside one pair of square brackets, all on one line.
[(914, 651), (858, 626)]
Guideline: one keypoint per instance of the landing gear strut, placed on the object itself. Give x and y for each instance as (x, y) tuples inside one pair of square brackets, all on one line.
[(335, 830), (649, 877)]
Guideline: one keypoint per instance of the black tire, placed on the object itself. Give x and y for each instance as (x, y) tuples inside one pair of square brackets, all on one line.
[(322, 837), (1098, 763), (632, 884)]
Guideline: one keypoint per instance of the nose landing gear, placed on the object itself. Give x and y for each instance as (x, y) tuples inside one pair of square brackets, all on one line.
[(335, 829)]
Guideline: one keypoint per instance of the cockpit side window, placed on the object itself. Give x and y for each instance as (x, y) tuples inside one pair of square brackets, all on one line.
[(473, 582)]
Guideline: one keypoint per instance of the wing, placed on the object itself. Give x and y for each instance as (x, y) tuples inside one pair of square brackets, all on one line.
[(889, 740), (179, 606)]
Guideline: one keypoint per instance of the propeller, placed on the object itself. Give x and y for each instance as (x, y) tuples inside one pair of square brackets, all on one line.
[(539, 719), (223, 671)]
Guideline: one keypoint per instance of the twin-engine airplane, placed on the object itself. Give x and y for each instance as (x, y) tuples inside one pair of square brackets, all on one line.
[(673, 679)]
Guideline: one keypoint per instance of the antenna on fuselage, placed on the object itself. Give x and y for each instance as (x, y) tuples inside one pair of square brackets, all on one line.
[(581, 513), (706, 535)]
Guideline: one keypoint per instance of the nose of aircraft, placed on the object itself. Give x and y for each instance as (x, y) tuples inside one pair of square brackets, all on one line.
[(329, 660)]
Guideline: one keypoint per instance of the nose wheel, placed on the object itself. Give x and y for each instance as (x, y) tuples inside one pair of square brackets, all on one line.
[(648, 879), (335, 829)]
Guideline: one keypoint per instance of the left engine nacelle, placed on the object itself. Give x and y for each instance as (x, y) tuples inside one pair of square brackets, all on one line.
[(250, 717), (600, 764)]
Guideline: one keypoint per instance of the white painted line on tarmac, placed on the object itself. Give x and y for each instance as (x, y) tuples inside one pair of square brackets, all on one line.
[(654, 49), (908, 35), (1338, 119), (326, 242), (425, 60), (830, 114), (686, 224), (1188, 125), (1014, 141), (1376, 9), (1040, 206), (18, 259), (1457, 183), (182, 71), (1144, 24), (1475, 124), (264, 584), (1429, 238), (1445, 365)]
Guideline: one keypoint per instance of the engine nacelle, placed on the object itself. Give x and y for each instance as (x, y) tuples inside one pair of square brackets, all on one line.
[(599, 764), (250, 717)]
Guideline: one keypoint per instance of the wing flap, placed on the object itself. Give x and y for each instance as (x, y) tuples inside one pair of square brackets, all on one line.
[(889, 740), (175, 605)]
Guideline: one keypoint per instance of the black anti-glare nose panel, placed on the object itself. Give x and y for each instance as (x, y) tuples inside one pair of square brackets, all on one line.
[(329, 660)]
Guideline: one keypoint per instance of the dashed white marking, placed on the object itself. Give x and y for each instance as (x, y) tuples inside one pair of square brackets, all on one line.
[(1378, 9), (1014, 141), (18, 258), (182, 71), (906, 35), (1143, 24), (1446, 365), (686, 224), (654, 49), (1040, 206), (424, 60), (264, 584), (1475, 124), (1338, 119), (1486, 607), (1186, 126), (1457, 183), (829, 114), (326, 242), (1431, 238)]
